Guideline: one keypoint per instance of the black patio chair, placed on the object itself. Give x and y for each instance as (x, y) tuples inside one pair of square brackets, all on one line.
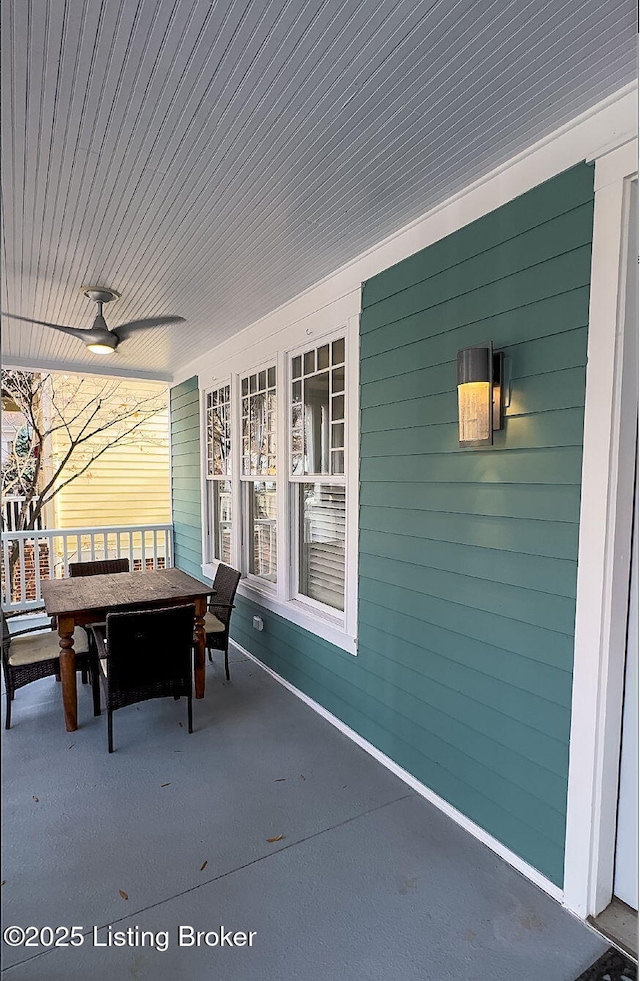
[(102, 567), (218, 617), (145, 654), (34, 653)]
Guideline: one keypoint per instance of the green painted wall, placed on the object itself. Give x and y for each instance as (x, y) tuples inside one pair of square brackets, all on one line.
[(185, 476), (468, 558)]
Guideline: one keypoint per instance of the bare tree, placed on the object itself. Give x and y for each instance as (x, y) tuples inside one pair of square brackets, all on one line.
[(82, 416)]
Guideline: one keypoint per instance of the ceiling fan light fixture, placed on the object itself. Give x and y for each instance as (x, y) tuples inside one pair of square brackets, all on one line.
[(99, 347)]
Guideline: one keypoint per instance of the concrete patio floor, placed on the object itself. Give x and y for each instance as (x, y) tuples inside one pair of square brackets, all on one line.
[(369, 881)]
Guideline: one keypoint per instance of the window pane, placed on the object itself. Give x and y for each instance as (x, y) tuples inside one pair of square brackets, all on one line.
[(219, 433), (271, 377), (263, 554), (316, 423), (221, 508), (337, 380), (309, 362), (323, 357), (337, 435), (337, 351), (296, 367), (338, 408), (322, 543), (259, 425), (296, 428)]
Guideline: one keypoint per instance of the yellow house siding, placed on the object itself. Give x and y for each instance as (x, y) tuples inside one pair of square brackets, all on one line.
[(128, 485)]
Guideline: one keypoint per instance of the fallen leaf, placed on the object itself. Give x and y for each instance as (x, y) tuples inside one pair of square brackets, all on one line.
[(280, 780), (123, 894), (204, 865), (180, 724), (37, 800), (277, 838), (166, 784), (72, 745), (302, 776), (3, 882)]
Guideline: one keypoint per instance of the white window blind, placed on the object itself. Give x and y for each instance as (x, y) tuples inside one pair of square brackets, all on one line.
[(322, 543)]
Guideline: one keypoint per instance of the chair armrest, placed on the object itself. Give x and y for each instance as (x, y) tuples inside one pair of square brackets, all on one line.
[(99, 638), (29, 630)]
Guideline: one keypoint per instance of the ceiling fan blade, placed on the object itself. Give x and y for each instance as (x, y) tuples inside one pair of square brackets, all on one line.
[(75, 331), (126, 330)]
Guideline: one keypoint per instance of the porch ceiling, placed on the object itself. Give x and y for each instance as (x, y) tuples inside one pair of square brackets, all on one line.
[(213, 159)]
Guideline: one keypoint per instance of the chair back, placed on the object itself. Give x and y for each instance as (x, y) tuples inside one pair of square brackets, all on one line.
[(149, 654), (6, 636), (225, 585), (101, 568)]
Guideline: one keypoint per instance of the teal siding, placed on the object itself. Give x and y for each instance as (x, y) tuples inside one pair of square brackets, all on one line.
[(468, 558), (185, 476)]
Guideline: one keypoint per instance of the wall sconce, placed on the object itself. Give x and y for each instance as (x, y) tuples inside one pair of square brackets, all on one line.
[(480, 394)]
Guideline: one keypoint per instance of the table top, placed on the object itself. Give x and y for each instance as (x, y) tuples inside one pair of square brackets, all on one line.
[(119, 589)]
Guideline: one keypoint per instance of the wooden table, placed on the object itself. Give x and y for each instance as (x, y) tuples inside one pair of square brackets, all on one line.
[(88, 599)]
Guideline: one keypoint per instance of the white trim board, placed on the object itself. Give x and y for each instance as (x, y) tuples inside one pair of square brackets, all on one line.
[(464, 822), (100, 370), (606, 507), (609, 124)]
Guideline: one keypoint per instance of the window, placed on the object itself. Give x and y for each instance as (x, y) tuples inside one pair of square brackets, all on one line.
[(281, 501), (317, 452), (259, 496), (219, 489)]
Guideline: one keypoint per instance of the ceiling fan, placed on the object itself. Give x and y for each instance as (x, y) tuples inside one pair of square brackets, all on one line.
[(99, 338)]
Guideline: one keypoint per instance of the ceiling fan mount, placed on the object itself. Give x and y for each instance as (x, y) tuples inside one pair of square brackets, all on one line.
[(99, 338), (100, 294)]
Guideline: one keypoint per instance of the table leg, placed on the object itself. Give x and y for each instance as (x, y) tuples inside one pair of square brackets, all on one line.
[(200, 638), (68, 672)]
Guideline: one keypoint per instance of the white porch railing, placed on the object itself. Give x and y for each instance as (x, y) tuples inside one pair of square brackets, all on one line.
[(11, 507), (41, 555)]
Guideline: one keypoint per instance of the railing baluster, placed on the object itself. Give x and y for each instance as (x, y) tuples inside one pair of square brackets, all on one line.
[(36, 559), (155, 548), (92, 543), (23, 573), (7, 583), (49, 540)]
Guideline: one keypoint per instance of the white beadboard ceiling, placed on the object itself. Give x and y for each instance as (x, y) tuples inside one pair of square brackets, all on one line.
[(213, 158)]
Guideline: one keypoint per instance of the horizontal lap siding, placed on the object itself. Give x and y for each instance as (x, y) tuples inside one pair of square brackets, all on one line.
[(468, 558), (185, 477), (126, 485)]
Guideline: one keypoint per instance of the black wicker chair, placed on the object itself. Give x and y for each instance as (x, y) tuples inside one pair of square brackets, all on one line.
[(218, 617), (146, 654), (103, 567), (34, 653)]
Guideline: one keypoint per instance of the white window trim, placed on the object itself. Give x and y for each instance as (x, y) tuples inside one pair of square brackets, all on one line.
[(282, 597), (204, 468)]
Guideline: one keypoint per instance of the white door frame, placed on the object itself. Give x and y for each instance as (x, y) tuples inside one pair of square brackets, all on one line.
[(611, 401)]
